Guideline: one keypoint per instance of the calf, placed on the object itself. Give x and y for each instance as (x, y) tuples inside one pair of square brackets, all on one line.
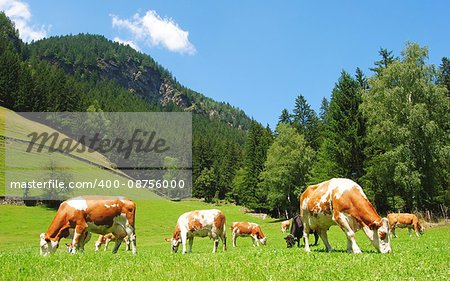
[(199, 224), (105, 239), (297, 233), (342, 202), (285, 225), (83, 240), (402, 220), (246, 229)]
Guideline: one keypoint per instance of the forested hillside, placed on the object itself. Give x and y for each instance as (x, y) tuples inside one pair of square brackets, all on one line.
[(91, 73), (388, 131)]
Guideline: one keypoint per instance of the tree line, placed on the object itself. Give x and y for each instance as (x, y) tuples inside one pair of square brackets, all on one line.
[(388, 132)]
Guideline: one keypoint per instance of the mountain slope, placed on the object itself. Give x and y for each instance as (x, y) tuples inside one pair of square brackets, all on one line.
[(95, 57)]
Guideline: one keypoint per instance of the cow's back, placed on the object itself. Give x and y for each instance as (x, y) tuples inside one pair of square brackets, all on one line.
[(402, 218), (335, 195), (202, 222)]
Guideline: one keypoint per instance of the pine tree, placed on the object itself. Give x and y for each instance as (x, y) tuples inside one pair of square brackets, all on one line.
[(444, 74), (245, 185), (25, 95), (345, 129), (386, 59), (324, 105), (361, 79), (285, 117), (306, 121), (9, 78)]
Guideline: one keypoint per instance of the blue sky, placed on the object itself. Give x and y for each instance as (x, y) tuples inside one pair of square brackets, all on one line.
[(256, 55)]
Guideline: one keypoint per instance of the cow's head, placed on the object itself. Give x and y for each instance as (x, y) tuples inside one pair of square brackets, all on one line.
[(263, 240), (421, 228), (174, 243), (381, 236), (47, 246), (290, 240)]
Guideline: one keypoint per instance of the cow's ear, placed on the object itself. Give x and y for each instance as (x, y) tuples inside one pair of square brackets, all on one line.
[(168, 239)]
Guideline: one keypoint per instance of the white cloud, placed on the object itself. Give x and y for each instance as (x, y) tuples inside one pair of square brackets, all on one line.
[(19, 13), (130, 43), (156, 31)]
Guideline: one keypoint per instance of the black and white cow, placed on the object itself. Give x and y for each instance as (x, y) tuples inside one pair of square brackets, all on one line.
[(297, 233)]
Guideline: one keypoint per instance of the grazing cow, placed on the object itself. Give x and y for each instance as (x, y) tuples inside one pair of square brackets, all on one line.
[(200, 223), (246, 229), (296, 233), (98, 214), (402, 220), (285, 225), (342, 202), (105, 239)]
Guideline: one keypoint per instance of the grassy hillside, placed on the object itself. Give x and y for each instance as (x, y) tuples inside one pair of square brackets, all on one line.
[(418, 258), (85, 167)]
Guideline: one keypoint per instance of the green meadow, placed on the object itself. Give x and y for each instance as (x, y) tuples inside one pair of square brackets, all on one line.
[(426, 257)]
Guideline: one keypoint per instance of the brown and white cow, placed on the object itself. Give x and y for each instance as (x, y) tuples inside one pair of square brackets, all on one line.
[(105, 239), (403, 220), (248, 229), (199, 223), (285, 225), (342, 202), (98, 214)]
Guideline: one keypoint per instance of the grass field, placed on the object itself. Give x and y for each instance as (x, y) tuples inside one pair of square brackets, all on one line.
[(424, 258)]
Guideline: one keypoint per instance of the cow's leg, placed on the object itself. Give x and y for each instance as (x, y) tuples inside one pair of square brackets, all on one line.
[(343, 222), (216, 244), (234, 237), (324, 236), (316, 238), (83, 240), (410, 232), (416, 229), (393, 232), (127, 242), (106, 244), (183, 241), (116, 246), (216, 237), (306, 231), (191, 241), (132, 238), (349, 246), (224, 241), (255, 238), (77, 236)]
